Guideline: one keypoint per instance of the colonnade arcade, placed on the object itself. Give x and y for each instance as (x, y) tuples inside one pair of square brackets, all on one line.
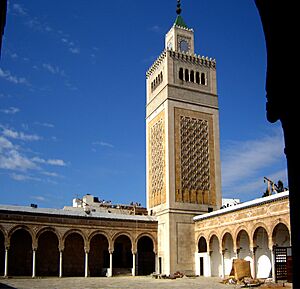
[(250, 233), (25, 252), (256, 247)]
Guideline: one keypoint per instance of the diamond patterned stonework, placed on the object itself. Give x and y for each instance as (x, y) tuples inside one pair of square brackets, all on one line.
[(194, 154), (157, 161), (193, 162)]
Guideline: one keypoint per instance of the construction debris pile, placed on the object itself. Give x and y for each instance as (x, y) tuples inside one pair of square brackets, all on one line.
[(241, 274), (171, 276)]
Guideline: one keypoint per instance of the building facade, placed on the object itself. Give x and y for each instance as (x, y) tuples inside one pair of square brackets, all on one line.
[(56, 242), (250, 231), (183, 228), (183, 159)]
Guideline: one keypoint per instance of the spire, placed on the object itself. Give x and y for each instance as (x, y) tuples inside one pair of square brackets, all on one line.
[(179, 20)]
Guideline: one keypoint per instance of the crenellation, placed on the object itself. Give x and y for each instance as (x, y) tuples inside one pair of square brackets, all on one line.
[(156, 64), (183, 28), (194, 59)]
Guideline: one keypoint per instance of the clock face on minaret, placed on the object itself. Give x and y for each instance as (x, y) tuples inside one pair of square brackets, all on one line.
[(184, 46)]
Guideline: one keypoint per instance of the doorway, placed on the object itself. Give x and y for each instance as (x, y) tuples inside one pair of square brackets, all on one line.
[(201, 266)]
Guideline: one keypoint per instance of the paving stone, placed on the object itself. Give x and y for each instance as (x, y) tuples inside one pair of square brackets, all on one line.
[(114, 282)]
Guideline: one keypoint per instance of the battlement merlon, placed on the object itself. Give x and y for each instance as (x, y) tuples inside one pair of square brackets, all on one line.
[(180, 27), (185, 57)]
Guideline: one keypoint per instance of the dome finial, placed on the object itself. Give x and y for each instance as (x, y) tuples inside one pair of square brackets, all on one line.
[(178, 10)]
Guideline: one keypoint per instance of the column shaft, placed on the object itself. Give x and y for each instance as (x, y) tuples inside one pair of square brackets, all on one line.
[(273, 263), (86, 264), (5, 262), (60, 263), (253, 265), (223, 266), (133, 264), (33, 263), (110, 272)]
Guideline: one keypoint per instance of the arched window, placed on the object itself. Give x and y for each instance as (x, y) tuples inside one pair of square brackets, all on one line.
[(198, 77), (186, 75), (192, 76), (181, 73), (202, 246), (203, 78)]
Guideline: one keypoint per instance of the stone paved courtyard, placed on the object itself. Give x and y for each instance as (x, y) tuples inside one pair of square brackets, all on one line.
[(114, 282)]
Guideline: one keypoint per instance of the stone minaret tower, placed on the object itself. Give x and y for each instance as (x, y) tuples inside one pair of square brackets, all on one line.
[(183, 152)]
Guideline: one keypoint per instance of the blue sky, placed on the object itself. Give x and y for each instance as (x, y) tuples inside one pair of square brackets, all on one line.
[(72, 97)]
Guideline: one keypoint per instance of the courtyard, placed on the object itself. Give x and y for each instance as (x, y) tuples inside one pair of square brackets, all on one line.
[(144, 282)]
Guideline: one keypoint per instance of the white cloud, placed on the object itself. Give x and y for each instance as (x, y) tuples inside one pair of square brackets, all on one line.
[(54, 69), (51, 174), (255, 187), (155, 28), (56, 162), (39, 198), (243, 159), (21, 177), (2, 95), (5, 74), (38, 24), (19, 9), (45, 124), (70, 86), (20, 135), (10, 110), (246, 163), (53, 162), (13, 160), (74, 50), (5, 144), (103, 144)]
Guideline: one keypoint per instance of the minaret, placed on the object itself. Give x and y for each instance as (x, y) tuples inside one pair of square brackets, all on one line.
[(183, 151)]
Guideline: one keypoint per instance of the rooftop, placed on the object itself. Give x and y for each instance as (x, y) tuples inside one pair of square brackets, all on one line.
[(180, 22), (252, 203), (74, 213)]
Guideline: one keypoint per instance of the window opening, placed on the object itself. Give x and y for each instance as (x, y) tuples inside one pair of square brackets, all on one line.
[(181, 73), (192, 76), (198, 77), (186, 75)]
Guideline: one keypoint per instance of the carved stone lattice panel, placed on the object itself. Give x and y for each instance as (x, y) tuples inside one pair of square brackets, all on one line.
[(194, 145), (156, 143), (194, 154)]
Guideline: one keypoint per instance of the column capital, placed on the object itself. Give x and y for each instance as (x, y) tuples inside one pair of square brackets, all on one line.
[(253, 249), (34, 245)]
